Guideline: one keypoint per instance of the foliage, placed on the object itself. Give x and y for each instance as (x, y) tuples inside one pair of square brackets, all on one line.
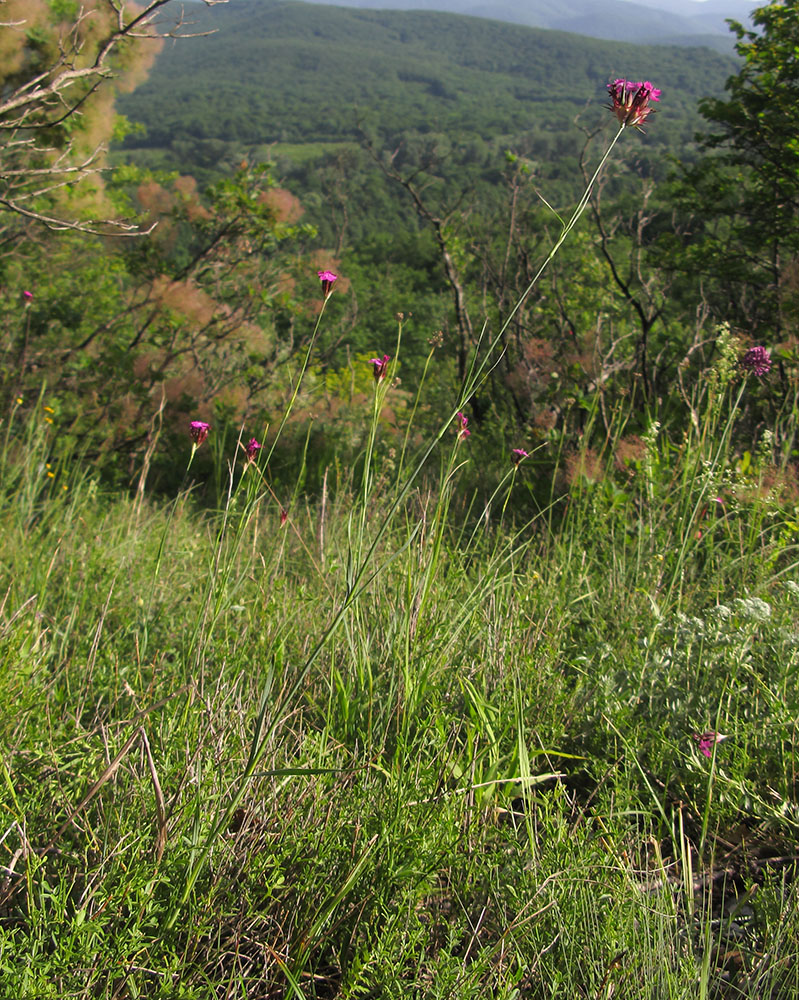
[(409, 700), (56, 109), (196, 319), (742, 193)]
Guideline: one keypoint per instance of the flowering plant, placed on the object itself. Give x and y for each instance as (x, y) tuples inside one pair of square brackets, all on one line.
[(199, 431), (756, 361), (630, 101), (380, 369), (327, 278)]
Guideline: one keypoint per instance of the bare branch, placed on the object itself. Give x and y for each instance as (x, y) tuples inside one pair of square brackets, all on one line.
[(81, 63), (122, 228)]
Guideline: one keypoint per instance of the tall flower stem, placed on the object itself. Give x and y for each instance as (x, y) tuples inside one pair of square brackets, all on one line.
[(273, 709), (298, 383)]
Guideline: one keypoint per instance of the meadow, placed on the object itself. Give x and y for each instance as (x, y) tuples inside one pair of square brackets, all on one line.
[(399, 612)]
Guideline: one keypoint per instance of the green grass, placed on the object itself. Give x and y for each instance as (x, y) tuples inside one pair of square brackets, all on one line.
[(394, 748)]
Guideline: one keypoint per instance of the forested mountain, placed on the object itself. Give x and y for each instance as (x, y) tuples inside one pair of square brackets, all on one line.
[(296, 72), (679, 22), (646, 22)]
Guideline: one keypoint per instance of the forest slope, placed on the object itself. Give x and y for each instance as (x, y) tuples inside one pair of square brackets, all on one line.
[(299, 73)]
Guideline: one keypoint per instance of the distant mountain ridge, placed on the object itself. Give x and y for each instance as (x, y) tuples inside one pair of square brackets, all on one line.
[(647, 22)]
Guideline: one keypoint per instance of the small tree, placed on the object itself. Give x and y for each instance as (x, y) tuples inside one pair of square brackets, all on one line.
[(57, 63), (744, 195)]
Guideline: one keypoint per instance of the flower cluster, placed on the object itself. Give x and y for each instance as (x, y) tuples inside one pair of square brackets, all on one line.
[(252, 449), (463, 430), (630, 101), (756, 361)]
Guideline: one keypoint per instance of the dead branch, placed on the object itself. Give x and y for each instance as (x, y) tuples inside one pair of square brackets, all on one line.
[(50, 98)]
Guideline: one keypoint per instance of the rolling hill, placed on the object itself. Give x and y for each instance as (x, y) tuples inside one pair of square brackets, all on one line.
[(676, 22), (291, 72)]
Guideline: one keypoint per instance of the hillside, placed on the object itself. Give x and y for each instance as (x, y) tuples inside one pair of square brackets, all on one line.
[(645, 22), (678, 22), (294, 72)]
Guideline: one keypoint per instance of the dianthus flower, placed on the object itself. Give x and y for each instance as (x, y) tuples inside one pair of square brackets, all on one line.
[(756, 361), (463, 420), (518, 454), (707, 741), (199, 431), (630, 101), (252, 449), (327, 278), (380, 369)]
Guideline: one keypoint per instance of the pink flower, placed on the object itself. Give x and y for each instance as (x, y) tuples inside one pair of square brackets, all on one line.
[(756, 361), (707, 741), (199, 431), (28, 296), (284, 516), (252, 450), (630, 101), (463, 420), (518, 454), (327, 278), (380, 369)]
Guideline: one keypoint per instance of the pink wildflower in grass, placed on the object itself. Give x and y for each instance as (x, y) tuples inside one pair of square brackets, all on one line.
[(252, 449), (380, 369), (463, 430), (327, 278), (27, 296), (630, 101), (518, 454), (756, 361), (199, 431), (284, 516), (707, 741)]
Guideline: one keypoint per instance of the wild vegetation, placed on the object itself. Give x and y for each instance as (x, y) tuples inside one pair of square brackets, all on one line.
[(411, 614)]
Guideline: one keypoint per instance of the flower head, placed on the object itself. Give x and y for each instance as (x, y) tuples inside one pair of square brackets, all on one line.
[(463, 430), (284, 516), (630, 101), (252, 449), (756, 361), (707, 741), (518, 454), (380, 369), (327, 278), (27, 296), (199, 431)]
